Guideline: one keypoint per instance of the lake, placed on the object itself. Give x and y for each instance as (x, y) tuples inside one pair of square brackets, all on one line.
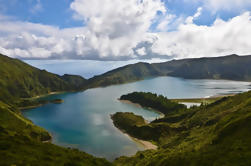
[(83, 120)]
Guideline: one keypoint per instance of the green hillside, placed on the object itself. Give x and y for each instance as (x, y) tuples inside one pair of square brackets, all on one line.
[(124, 74), (214, 134), (20, 80), (231, 67)]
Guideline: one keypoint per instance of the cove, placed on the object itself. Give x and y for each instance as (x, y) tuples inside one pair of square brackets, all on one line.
[(83, 120)]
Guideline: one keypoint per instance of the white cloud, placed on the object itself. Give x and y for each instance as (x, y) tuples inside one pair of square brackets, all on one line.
[(221, 38), (119, 30), (190, 19), (115, 26), (141, 51), (164, 24), (227, 4), (113, 29), (223, 5)]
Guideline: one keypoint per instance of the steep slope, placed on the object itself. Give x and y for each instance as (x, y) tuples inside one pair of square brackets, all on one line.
[(20, 80), (214, 134), (231, 67)]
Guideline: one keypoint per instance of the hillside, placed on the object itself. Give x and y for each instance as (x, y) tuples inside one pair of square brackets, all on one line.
[(124, 74), (20, 80), (231, 67), (214, 134)]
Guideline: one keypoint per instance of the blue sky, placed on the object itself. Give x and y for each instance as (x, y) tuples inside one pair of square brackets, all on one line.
[(50, 12), (114, 29), (58, 13)]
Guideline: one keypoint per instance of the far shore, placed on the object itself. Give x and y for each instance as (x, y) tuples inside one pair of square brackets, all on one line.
[(205, 100)]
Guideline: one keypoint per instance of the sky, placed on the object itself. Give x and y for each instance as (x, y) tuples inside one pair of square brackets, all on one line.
[(124, 30)]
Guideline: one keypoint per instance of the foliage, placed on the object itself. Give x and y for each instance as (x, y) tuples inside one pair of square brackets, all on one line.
[(214, 134), (20, 80), (124, 74), (154, 101)]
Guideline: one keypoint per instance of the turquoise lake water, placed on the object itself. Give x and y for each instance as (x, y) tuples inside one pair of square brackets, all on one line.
[(83, 120)]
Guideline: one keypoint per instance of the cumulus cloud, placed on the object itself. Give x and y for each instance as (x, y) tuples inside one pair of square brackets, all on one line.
[(221, 38), (115, 26), (121, 30)]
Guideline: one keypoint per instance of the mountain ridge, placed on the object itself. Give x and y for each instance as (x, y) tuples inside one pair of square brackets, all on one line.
[(231, 67)]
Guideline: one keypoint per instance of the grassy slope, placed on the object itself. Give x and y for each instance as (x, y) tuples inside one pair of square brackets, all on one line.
[(216, 134), (124, 74), (231, 67), (20, 80)]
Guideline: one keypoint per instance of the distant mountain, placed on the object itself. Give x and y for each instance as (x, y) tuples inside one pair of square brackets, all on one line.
[(231, 67), (125, 74), (20, 80)]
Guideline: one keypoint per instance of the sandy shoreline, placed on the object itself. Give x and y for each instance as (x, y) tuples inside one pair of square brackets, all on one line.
[(48, 94), (146, 144)]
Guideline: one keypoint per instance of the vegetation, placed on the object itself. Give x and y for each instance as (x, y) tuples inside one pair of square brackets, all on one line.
[(231, 67), (128, 122), (199, 100), (213, 134), (22, 142), (124, 74), (154, 101), (20, 80)]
